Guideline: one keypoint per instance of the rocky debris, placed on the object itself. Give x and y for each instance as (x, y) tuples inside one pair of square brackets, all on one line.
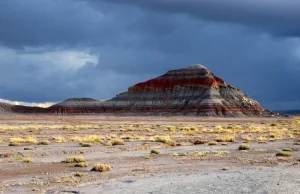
[(191, 91)]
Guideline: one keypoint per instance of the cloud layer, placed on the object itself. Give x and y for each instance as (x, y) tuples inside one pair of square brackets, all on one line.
[(56, 49), (33, 104)]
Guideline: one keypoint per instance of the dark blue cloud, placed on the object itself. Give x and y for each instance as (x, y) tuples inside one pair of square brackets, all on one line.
[(252, 45), (276, 16)]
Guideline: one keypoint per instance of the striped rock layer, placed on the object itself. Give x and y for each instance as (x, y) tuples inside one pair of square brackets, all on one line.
[(193, 91)]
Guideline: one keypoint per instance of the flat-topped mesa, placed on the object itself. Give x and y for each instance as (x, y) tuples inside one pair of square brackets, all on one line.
[(191, 77)]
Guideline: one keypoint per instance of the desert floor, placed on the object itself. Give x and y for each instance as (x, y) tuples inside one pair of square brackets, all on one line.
[(53, 154)]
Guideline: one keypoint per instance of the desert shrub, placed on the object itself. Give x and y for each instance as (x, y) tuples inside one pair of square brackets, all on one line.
[(171, 128), (28, 148), (197, 142), (85, 144), (247, 139), (263, 142), (284, 154), (117, 142), (109, 143), (273, 125), (225, 139), (101, 167), (287, 150), (19, 157), (163, 139), (87, 139), (7, 155), (74, 160), (60, 139), (27, 159), (44, 142), (154, 152), (244, 147), (78, 174), (14, 144), (173, 143), (261, 139), (202, 153), (28, 139), (81, 165), (211, 143)]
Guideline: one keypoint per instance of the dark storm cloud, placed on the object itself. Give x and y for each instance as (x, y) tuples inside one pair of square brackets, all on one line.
[(57, 23), (48, 49), (277, 16)]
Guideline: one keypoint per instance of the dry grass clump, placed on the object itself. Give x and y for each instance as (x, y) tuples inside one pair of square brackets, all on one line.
[(225, 139), (85, 144), (78, 174), (127, 137), (171, 128), (163, 139), (287, 149), (297, 142), (1, 140), (74, 160), (296, 133), (19, 157), (44, 142), (27, 159), (87, 139), (199, 142), (247, 139), (188, 129), (261, 139), (14, 144), (7, 155), (263, 142), (101, 167), (284, 154), (154, 152), (28, 148), (274, 125), (81, 165), (212, 143), (60, 139), (117, 142), (28, 139), (244, 147)]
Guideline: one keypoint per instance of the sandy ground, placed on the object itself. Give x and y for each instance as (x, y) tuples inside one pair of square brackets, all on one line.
[(180, 167), (251, 180)]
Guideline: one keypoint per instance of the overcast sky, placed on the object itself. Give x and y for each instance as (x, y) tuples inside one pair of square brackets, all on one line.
[(51, 50)]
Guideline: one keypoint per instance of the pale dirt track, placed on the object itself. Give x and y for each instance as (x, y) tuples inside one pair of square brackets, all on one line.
[(283, 180)]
